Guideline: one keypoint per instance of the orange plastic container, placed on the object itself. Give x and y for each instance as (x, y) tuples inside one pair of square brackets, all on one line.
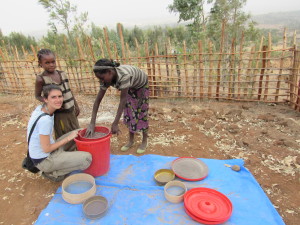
[(100, 150)]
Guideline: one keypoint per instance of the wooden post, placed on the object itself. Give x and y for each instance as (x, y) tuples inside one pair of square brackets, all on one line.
[(256, 70), (246, 88), (154, 77), (231, 70), (268, 66), (149, 68), (107, 43), (138, 52), (80, 52), (122, 42), (201, 83), (220, 62), (92, 77), (185, 70), (128, 54), (210, 72), (281, 66), (240, 65), (262, 71), (293, 77), (91, 49), (159, 70), (101, 48), (295, 38)]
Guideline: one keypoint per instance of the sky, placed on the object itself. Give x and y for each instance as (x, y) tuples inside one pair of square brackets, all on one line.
[(30, 18)]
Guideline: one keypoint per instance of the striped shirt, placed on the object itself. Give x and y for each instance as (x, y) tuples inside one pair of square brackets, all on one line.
[(68, 103), (128, 77)]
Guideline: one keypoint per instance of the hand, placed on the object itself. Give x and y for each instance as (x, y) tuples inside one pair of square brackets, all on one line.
[(77, 111), (90, 130), (72, 135), (115, 129)]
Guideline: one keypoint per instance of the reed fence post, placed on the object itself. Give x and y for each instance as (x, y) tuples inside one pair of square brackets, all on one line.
[(231, 69), (122, 42), (107, 43), (268, 66), (149, 69), (281, 66), (220, 62), (251, 55), (262, 71), (201, 83), (240, 65), (185, 70), (210, 72)]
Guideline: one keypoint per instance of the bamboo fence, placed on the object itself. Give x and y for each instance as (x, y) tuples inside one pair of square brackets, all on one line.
[(256, 73)]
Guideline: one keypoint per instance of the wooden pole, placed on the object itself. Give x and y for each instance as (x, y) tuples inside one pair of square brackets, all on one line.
[(201, 83), (231, 69), (138, 52), (294, 75), (240, 65), (262, 71), (91, 49), (281, 66), (210, 72), (122, 42), (107, 43), (268, 66), (149, 68), (185, 69), (159, 69), (101, 48), (256, 71), (220, 61), (248, 78)]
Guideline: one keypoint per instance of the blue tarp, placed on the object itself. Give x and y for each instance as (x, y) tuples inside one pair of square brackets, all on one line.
[(134, 198)]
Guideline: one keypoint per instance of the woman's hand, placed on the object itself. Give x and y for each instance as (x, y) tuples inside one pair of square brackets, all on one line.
[(72, 135), (77, 111), (90, 130), (115, 129)]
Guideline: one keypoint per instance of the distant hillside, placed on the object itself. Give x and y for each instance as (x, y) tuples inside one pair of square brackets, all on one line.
[(291, 20)]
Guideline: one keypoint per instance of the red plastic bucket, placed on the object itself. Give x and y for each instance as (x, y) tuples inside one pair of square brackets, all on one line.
[(105, 130), (100, 150)]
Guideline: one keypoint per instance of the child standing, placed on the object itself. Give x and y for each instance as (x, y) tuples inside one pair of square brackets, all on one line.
[(134, 99), (65, 119)]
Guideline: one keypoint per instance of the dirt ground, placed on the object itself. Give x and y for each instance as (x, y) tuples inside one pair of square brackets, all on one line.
[(266, 136)]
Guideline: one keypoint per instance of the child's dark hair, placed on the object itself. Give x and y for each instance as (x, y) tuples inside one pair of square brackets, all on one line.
[(105, 62), (48, 88), (44, 51)]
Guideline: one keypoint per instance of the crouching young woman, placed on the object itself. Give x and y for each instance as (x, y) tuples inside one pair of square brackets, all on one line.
[(49, 156)]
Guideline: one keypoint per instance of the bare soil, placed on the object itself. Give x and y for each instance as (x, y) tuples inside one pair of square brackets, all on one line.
[(266, 136)]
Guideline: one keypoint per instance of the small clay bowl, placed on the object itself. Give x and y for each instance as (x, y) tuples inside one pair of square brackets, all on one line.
[(174, 191), (163, 176), (95, 207)]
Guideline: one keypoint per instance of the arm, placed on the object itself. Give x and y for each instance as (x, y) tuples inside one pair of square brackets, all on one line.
[(48, 147), (39, 83), (123, 99), (91, 127), (77, 110)]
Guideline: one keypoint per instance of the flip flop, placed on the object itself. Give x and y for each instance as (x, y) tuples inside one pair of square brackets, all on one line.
[(125, 148), (141, 151)]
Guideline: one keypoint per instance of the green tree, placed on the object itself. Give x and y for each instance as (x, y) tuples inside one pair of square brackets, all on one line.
[(64, 13), (191, 10)]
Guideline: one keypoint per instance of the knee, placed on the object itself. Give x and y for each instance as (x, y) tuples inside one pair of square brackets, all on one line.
[(86, 160)]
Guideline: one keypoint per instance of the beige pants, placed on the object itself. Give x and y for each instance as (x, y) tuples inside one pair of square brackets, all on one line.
[(61, 162)]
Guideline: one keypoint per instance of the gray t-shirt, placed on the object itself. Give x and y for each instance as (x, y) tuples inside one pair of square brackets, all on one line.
[(44, 127), (128, 77)]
